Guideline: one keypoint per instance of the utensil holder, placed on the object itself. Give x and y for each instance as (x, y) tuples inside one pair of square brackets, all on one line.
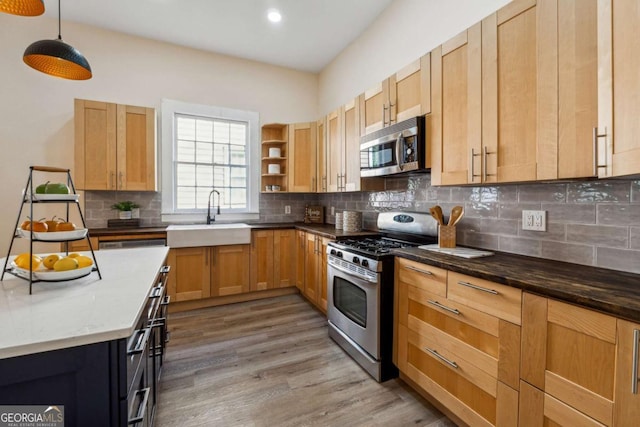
[(339, 222), (447, 236)]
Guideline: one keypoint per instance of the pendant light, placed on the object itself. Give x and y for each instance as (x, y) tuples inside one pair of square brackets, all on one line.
[(56, 58), (22, 7)]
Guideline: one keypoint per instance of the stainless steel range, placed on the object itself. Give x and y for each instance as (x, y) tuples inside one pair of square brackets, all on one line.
[(360, 288)]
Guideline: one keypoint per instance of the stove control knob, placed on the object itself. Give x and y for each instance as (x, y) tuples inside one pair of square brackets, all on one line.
[(333, 252), (365, 263), (339, 254), (356, 260)]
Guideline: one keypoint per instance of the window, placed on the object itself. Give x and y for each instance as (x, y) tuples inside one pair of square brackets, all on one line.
[(206, 148)]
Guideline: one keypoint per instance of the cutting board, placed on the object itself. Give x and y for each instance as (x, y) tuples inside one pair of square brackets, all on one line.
[(461, 252)]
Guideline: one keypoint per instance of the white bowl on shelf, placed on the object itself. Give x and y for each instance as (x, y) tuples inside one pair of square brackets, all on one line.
[(52, 275), (273, 168), (54, 197), (274, 152)]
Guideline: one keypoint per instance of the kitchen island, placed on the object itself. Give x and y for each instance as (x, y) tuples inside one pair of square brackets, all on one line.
[(89, 345)]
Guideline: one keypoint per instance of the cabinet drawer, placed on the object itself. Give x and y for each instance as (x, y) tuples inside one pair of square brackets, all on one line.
[(493, 298), (423, 276)]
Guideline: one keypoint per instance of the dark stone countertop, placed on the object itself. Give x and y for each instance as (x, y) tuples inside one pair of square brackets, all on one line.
[(609, 291)]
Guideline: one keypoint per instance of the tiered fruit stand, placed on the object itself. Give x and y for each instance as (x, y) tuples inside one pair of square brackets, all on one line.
[(31, 199)]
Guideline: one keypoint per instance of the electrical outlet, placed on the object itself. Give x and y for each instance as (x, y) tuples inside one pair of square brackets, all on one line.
[(287, 210), (534, 220), (333, 210)]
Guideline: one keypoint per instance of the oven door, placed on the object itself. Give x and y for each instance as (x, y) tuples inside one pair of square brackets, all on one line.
[(353, 307)]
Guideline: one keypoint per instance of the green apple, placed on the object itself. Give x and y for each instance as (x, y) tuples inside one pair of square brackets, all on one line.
[(49, 188)]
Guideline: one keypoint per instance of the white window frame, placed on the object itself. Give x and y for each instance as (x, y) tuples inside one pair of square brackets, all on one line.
[(169, 213)]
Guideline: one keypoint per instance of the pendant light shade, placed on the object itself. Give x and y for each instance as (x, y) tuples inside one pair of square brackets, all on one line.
[(22, 7), (56, 58)]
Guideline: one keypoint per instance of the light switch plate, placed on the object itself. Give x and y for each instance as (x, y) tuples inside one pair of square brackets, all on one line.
[(534, 220)]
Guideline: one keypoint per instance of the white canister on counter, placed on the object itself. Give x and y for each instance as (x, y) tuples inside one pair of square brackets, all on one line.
[(273, 168), (274, 152), (352, 221), (339, 220)]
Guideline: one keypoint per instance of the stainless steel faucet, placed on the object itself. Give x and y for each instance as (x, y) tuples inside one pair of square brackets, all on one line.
[(209, 219)]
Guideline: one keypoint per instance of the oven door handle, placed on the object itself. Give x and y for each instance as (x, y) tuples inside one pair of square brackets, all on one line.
[(351, 275)]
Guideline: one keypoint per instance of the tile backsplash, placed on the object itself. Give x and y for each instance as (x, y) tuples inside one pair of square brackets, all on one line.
[(590, 222)]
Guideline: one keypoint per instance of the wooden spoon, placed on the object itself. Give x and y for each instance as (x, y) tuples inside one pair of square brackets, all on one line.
[(436, 212), (456, 215)]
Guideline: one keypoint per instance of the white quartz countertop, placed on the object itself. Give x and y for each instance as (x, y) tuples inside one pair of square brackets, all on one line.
[(78, 312)]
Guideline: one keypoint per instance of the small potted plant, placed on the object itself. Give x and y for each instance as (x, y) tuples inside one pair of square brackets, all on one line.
[(125, 208)]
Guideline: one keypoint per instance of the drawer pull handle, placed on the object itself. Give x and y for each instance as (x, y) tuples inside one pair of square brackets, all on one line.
[(634, 360), (479, 288), (156, 292), (166, 300), (441, 357), (165, 269), (142, 409), (444, 307), (410, 267), (140, 342)]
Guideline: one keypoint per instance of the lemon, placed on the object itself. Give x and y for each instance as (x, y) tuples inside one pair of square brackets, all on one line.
[(22, 261), (83, 261), (65, 264), (50, 260), (74, 255)]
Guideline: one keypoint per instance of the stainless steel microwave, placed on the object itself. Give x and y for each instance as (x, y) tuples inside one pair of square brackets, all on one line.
[(395, 149)]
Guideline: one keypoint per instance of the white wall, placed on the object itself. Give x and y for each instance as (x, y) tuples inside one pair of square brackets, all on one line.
[(405, 31), (36, 110)]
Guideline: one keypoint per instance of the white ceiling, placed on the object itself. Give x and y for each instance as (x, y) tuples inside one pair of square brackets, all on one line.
[(310, 35)]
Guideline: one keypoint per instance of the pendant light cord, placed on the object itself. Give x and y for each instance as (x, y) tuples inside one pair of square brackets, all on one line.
[(59, 25)]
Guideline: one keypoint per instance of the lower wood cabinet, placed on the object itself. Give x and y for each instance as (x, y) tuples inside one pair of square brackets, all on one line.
[(203, 272), (580, 367), (465, 355), (272, 255), (311, 271)]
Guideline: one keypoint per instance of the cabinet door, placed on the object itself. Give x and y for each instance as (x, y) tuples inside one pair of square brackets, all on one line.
[(301, 251), (95, 145), (322, 275), (136, 148), (519, 91), (627, 393), (311, 268), (456, 118), (302, 157), (230, 270), (321, 157), (618, 86), (284, 251), (335, 152), (262, 258), (351, 152), (409, 91), (572, 357), (375, 108), (577, 87), (190, 275)]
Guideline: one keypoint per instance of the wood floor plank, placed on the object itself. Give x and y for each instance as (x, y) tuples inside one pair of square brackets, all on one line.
[(269, 363)]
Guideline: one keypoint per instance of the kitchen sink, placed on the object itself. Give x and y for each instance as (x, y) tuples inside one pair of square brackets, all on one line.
[(190, 235)]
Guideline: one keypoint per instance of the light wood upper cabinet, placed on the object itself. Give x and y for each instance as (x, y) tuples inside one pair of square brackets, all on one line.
[(618, 86), (190, 275), (455, 131), (519, 92), (271, 255), (230, 270), (302, 159), (335, 151), (351, 139), (404, 95), (321, 156), (115, 147)]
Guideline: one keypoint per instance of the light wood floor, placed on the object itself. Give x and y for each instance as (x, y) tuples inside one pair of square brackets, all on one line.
[(271, 363)]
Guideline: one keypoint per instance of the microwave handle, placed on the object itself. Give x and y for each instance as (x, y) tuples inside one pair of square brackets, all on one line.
[(399, 148)]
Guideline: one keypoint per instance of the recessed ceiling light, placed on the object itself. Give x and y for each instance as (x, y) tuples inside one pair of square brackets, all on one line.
[(274, 15)]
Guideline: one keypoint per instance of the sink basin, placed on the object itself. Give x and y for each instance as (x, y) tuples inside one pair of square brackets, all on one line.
[(185, 236)]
